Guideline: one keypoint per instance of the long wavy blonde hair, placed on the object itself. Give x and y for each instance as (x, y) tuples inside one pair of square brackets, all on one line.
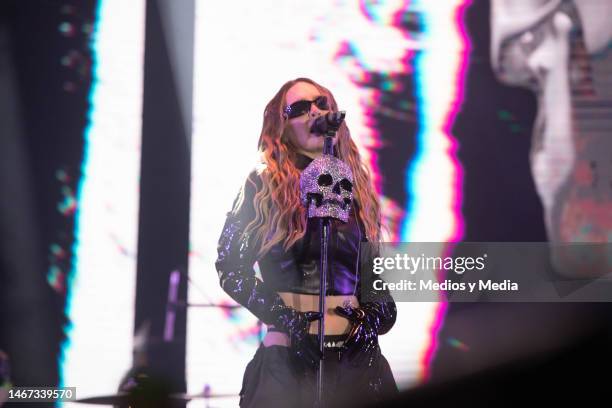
[(279, 214)]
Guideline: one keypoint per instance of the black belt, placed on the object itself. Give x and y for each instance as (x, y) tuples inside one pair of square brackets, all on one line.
[(332, 341)]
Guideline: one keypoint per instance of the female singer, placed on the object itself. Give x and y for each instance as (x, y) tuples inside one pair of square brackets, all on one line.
[(269, 225)]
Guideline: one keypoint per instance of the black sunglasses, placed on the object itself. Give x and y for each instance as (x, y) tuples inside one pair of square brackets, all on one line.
[(301, 107)]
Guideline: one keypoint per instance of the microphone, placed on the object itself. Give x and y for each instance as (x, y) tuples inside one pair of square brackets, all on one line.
[(328, 122)]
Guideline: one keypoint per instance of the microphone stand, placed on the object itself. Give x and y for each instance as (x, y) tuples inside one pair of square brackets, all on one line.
[(325, 230)]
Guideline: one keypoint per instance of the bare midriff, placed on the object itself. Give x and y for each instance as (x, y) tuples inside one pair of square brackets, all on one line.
[(334, 323)]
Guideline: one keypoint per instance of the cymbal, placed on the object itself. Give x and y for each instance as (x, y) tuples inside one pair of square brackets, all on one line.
[(209, 395), (124, 398)]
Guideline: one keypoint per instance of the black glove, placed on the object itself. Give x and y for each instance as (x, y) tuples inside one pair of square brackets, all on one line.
[(361, 344), (296, 325), (369, 320)]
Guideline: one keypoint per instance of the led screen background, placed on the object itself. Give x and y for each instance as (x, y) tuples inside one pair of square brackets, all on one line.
[(466, 140), (373, 57), (100, 304), (447, 132)]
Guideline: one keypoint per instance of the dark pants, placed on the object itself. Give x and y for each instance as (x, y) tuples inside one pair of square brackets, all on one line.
[(274, 378)]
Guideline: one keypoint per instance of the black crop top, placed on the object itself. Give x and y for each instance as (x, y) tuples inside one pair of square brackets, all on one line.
[(297, 269)]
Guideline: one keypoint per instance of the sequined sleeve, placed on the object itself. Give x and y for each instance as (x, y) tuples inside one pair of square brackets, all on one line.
[(237, 256)]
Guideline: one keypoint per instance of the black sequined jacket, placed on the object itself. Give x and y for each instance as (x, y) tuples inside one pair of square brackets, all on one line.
[(295, 270)]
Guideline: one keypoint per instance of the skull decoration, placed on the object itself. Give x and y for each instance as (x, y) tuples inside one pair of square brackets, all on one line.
[(326, 187)]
